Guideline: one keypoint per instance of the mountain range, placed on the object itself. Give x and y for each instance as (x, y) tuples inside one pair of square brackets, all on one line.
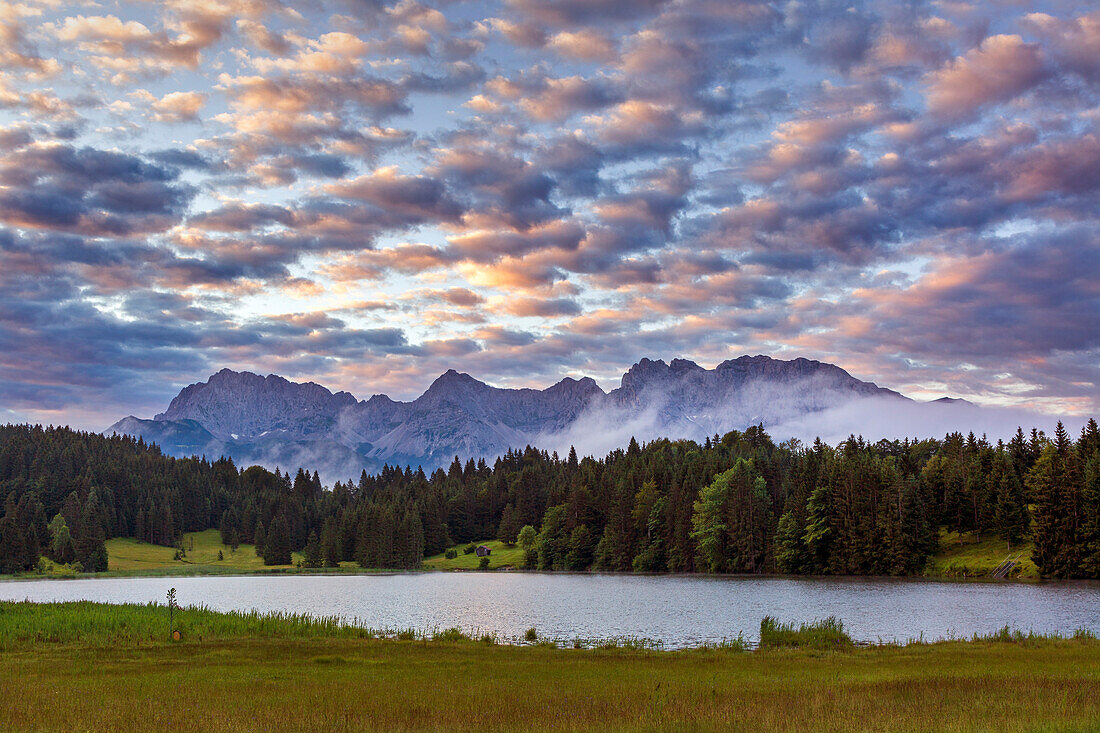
[(275, 422)]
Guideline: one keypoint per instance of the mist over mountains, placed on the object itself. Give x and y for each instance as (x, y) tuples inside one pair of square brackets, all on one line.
[(275, 422)]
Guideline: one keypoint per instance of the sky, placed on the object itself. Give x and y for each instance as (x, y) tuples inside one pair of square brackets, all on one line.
[(366, 194)]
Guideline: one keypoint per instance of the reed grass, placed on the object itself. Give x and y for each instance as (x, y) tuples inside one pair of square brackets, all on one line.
[(824, 634), (106, 624)]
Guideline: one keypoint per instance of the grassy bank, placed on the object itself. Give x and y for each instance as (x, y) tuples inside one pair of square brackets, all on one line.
[(240, 674), (127, 555), (962, 556), (502, 556)]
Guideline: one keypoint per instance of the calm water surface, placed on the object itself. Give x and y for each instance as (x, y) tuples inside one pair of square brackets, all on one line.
[(679, 611)]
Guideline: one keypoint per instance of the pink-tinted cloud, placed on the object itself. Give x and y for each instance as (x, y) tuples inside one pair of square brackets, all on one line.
[(1001, 68)]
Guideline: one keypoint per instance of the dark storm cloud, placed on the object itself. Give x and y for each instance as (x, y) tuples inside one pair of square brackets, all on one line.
[(96, 192)]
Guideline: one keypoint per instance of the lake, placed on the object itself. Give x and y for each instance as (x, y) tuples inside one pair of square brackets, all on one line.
[(676, 610)]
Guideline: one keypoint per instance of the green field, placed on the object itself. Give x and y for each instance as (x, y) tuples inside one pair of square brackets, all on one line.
[(129, 556), (103, 671), (502, 556), (960, 556)]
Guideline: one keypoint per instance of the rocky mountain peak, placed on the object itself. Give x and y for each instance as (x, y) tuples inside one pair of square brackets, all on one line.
[(274, 421), (583, 386), (454, 384)]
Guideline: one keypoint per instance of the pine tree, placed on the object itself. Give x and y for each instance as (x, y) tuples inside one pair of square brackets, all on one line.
[(13, 543), (1090, 521), (509, 528), (1043, 482), (1011, 515), (330, 543), (790, 551), (259, 536), (553, 541), (224, 527), (582, 546), (277, 543), (413, 533), (91, 548), (311, 555)]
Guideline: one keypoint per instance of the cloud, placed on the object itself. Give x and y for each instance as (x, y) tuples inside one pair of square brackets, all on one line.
[(585, 44), (893, 420), (84, 190), (1001, 68), (179, 106), (538, 188), (1075, 42), (414, 199)]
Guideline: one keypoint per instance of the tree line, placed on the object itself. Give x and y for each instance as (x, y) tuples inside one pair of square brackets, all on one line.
[(738, 503)]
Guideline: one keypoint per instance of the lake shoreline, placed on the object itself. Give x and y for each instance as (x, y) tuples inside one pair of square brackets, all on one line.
[(674, 611), (200, 572)]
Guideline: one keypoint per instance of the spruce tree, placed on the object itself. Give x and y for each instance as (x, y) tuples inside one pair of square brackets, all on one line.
[(311, 555), (508, 532), (91, 548), (330, 543), (1011, 516), (1043, 482), (277, 543), (259, 536), (1090, 521)]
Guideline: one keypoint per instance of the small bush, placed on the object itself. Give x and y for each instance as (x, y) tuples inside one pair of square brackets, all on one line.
[(825, 634), (406, 635), (729, 645), (531, 635), (1002, 634), (1015, 636), (451, 554), (469, 548), (531, 559), (483, 563), (452, 634)]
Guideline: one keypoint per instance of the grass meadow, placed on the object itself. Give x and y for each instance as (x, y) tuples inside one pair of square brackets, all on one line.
[(245, 672), (961, 555), (502, 556), (127, 555)]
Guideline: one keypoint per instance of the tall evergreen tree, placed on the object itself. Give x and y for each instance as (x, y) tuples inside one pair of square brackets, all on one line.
[(277, 543)]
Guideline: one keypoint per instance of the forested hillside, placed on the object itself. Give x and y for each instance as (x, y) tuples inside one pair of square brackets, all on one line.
[(737, 503)]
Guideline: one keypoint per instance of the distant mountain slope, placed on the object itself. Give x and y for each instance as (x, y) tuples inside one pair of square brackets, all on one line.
[(273, 421)]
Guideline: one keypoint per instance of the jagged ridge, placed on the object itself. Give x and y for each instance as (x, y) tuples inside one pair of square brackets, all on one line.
[(274, 421)]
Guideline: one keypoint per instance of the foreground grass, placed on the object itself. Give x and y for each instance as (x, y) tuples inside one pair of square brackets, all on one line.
[(241, 676), (502, 556), (129, 624), (961, 556)]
